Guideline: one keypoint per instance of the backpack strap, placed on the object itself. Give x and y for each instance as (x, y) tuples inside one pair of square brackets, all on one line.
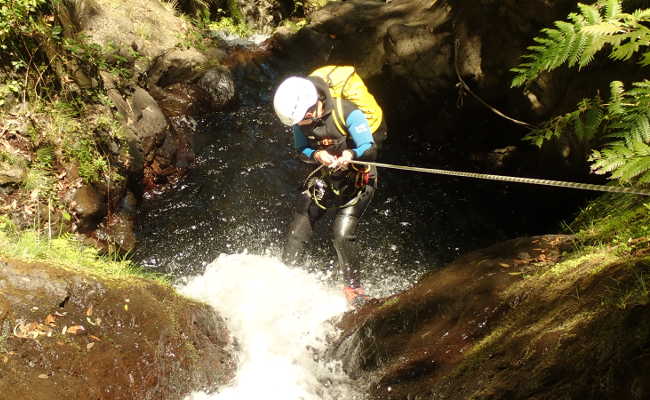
[(337, 112)]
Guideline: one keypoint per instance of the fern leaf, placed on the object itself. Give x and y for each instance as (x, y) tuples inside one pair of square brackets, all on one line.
[(645, 59), (616, 89), (593, 46), (644, 178), (605, 165), (577, 48), (603, 29), (613, 8), (591, 13), (593, 120), (641, 129), (642, 14), (625, 51), (566, 49), (632, 169)]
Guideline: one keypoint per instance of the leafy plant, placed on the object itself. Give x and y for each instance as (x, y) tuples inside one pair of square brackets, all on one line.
[(623, 124), (231, 26), (16, 17)]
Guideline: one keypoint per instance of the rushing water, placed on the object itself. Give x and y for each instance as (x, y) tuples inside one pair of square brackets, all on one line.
[(239, 197), (220, 231), (281, 318)]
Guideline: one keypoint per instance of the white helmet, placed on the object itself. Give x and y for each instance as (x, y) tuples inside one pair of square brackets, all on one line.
[(293, 98)]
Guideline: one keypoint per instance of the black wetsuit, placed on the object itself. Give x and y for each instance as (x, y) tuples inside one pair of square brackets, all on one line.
[(343, 190)]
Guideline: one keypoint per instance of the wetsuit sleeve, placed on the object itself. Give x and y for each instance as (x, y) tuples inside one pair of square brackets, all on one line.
[(357, 125), (300, 142)]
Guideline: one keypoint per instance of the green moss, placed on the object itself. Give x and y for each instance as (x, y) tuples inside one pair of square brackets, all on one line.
[(68, 252), (614, 219)]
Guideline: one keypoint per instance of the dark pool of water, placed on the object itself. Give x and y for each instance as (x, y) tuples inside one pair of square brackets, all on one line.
[(240, 194)]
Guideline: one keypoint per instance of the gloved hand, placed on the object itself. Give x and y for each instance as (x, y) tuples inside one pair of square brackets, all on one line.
[(325, 158), (343, 161)]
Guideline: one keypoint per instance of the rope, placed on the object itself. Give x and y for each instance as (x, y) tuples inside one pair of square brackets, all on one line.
[(533, 181)]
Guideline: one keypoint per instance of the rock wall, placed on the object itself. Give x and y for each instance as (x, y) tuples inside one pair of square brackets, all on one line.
[(412, 53), (506, 322)]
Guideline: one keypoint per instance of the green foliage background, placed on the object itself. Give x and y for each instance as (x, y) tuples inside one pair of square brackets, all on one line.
[(617, 131)]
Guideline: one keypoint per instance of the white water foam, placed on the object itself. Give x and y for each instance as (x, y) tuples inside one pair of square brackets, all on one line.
[(280, 317)]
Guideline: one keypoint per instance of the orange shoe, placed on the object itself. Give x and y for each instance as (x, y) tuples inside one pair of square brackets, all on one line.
[(356, 297)]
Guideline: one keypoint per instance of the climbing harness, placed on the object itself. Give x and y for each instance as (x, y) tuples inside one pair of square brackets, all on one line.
[(362, 177), (317, 185), (534, 181)]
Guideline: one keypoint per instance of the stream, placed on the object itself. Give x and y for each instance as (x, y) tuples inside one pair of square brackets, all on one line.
[(219, 233)]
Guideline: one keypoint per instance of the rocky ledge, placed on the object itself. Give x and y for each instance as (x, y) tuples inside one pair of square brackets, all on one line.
[(66, 334)]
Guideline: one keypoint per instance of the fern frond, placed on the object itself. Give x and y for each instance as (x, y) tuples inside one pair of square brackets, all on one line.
[(605, 165), (577, 49), (632, 169), (645, 59), (642, 14), (594, 45), (591, 13), (625, 51), (613, 8), (576, 41), (641, 128), (616, 90), (603, 29), (644, 178), (593, 120)]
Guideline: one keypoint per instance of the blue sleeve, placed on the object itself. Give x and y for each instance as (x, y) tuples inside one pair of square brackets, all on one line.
[(357, 125), (300, 142)]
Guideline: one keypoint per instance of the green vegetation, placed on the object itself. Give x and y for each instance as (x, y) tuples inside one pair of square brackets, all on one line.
[(231, 25), (68, 252), (617, 131), (618, 219)]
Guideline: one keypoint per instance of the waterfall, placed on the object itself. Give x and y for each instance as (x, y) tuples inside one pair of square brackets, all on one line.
[(280, 318)]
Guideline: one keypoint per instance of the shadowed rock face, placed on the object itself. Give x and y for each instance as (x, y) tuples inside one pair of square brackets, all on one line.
[(70, 335), (413, 53), (479, 328)]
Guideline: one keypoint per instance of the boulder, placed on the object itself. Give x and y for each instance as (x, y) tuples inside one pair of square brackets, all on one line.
[(507, 322), (89, 206), (11, 174), (218, 82), (66, 333)]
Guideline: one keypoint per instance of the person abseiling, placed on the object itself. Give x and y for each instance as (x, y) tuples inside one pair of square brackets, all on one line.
[(331, 131)]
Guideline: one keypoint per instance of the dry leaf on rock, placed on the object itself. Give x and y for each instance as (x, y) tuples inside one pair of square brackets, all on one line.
[(50, 320), (76, 329), (30, 330)]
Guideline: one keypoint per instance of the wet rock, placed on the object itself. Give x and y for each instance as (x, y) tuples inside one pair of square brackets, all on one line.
[(119, 232), (80, 336), (182, 99), (129, 204), (176, 66), (150, 125), (89, 206), (218, 82), (504, 322)]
